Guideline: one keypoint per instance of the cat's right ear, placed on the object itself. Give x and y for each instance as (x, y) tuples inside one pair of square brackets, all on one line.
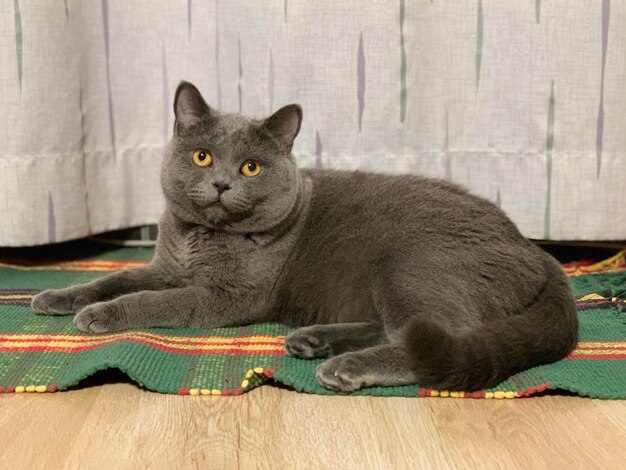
[(189, 106)]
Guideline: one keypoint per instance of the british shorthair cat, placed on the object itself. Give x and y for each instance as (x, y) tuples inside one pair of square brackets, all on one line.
[(395, 279)]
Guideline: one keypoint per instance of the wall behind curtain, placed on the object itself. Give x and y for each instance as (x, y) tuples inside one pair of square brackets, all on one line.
[(524, 102)]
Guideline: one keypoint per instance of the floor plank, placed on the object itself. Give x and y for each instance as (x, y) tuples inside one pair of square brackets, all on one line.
[(118, 425)]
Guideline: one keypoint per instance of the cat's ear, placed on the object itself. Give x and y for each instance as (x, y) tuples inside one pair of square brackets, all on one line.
[(284, 125), (189, 106)]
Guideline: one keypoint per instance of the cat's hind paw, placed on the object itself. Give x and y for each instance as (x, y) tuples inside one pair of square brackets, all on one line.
[(342, 373), (306, 344)]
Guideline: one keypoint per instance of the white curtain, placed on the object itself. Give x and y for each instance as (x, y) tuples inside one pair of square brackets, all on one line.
[(522, 102)]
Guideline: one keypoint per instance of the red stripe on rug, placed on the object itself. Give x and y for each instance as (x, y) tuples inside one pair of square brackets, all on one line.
[(227, 351), (599, 357), (199, 340)]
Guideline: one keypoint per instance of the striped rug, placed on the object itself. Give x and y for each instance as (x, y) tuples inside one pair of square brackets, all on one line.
[(46, 354)]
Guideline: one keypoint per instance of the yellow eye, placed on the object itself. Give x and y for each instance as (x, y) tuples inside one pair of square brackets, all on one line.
[(250, 168), (202, 157)]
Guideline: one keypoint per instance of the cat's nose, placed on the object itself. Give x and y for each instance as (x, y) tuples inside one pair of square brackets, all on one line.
[(221, 186)]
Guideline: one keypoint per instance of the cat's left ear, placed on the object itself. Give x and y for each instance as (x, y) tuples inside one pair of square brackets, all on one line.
[(189, 106), (284, 125)]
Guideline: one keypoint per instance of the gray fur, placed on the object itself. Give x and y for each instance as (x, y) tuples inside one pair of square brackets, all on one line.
[(399, 279)]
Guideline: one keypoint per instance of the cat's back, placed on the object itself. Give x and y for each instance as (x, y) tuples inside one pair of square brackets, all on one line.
[(392, 206)]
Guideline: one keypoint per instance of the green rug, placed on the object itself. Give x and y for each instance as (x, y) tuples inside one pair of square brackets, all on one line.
[(45, 354)]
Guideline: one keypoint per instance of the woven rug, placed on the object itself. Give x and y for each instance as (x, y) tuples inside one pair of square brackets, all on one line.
[(46, 354)]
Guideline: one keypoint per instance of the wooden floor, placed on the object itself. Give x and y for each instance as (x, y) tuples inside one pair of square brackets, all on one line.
[(118, 425)]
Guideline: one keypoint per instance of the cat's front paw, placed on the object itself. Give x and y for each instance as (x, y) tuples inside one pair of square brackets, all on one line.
[(343, 373), (306, 344), (53, 302), (59, 302), (101, 317)]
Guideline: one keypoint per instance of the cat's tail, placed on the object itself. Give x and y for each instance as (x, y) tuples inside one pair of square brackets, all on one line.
[(545, 332)]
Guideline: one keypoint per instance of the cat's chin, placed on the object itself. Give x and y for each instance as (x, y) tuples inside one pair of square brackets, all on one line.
[(223, 218), (215, 216), (217, 205), (218, 215)]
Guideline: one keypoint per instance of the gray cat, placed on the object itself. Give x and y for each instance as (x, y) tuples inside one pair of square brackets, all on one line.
[(397, 279)]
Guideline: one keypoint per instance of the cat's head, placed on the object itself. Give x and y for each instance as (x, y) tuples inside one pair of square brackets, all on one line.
[(229, 172)]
